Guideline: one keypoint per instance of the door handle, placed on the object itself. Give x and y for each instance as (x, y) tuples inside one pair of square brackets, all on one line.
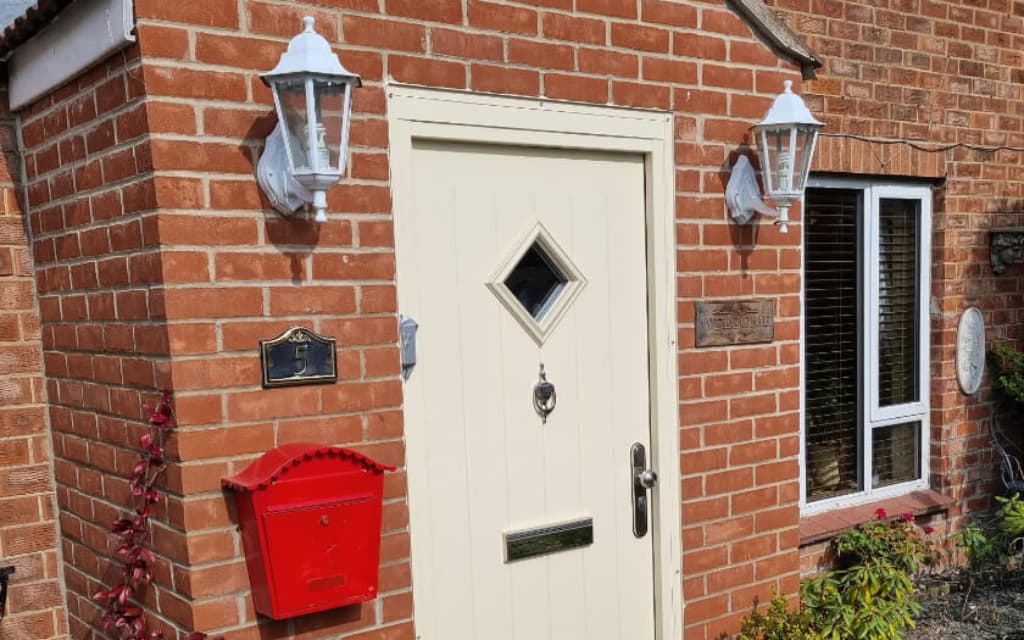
[(643, 480)]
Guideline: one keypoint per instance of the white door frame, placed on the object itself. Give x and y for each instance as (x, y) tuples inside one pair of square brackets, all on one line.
[(417, 113)]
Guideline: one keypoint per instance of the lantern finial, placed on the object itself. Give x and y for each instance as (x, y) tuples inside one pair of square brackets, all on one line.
[(309, 22)]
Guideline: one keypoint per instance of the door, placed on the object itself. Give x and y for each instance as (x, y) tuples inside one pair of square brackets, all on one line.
[(522, 266)]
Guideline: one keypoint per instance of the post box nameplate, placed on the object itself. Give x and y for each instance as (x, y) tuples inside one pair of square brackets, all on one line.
[(298, 356), (728, 322), (520, 545)]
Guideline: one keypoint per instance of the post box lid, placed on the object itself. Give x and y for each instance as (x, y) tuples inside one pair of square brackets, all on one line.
[(277, 462)]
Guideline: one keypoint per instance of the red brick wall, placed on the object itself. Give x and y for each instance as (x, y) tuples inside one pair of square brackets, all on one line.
[(739, 406), (28, 513), (939, 74), (87, 192), (160, 263)]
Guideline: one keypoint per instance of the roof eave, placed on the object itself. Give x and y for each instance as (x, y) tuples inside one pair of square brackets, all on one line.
[(35, 19), (766, 24)]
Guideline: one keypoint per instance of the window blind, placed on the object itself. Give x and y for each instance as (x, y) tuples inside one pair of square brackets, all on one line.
[(898, 312), (831, 255)]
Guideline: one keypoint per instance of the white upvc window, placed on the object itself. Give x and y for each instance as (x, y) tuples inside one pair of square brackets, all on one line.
[(865, 402)]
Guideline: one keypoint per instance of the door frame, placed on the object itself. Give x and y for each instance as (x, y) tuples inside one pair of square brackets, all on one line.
[(418, 113)]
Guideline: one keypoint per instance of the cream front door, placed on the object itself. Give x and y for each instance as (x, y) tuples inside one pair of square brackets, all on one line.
[(515, 260)]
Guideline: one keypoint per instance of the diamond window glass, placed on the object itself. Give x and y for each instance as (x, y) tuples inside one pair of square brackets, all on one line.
[(537, 283)]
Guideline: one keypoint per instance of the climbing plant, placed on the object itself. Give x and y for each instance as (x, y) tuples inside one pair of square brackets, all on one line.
[(122, 615)]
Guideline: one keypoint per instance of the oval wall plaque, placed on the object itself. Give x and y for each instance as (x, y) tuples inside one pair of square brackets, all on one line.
[(970, 350)]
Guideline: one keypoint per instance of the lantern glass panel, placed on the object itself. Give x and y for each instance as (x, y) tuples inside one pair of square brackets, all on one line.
[(776, 159), (805, 137), (331, 96), (291, 95)]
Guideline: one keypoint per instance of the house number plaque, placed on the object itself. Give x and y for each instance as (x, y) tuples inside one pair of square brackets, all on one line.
[(735, 322), (298, 356)]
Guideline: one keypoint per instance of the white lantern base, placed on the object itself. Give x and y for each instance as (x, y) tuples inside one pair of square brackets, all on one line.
[(284, 192)]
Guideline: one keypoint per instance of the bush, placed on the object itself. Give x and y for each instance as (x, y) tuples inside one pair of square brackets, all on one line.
[(1007, 366), (869, 595), (996, 546), (778, 623)]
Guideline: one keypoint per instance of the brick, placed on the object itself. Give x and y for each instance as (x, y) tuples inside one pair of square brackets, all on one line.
[(667, 12), (163, 42), (602, 62), (633, 36), (577, 29), (613, 8), (673, 71), (212, 13), (429, 72), (436, 11), (542, 55), (455, 43), (499, 17), (504, 80), (190, 83), (567, 87), (634, 94), (241, 52), (386, 34), (312, 300)]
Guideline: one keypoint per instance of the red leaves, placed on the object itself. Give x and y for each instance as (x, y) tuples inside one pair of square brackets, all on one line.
[(881, 514), (123, 617)]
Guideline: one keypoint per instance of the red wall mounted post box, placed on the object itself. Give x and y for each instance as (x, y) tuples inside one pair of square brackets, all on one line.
[(310, 518)]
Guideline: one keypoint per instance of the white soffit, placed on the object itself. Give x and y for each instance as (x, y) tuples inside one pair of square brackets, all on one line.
[(85, 33)]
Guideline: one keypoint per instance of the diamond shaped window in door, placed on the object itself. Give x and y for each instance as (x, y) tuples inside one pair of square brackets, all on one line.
[(537, 283)]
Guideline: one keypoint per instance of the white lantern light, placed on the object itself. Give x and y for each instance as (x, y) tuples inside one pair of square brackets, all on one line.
[(307, 152), (785, 141)]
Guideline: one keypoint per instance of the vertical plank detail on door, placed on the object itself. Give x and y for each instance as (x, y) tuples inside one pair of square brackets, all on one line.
[(480, 461)]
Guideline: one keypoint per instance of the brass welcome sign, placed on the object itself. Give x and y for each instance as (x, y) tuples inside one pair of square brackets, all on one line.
[(728, 322)]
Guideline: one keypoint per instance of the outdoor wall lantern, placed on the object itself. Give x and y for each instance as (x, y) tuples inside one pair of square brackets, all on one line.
[(785, 143), (306, 153)]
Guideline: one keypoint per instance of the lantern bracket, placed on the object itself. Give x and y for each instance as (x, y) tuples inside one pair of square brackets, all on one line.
[(286, 194), (743, 195)]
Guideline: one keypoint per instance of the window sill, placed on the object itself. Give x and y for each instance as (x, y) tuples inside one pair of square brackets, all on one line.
[(825, 526)]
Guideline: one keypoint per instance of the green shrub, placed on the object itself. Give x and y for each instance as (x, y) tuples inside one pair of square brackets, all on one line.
[(984, 550), (1011, 517), (778, 623), (1007, 365), (869, 595)]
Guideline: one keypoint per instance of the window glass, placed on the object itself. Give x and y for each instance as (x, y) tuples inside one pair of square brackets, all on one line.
[(864, 266), (896, 454), (831, 338), (898, 297)]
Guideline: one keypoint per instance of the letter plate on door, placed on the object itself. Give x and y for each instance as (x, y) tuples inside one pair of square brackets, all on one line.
[(544, 540)]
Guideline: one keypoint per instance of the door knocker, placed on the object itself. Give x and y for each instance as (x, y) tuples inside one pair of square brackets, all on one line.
[(544, 397)]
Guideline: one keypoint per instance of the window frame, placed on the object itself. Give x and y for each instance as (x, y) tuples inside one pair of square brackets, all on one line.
[(872, 416)]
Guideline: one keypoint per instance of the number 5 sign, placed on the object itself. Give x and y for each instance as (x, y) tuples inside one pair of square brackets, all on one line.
[(298, 356)]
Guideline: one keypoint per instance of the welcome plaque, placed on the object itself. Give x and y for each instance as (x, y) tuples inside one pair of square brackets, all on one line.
[(726, 322)]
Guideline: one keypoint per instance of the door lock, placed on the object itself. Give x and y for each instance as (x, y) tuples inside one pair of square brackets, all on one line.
[(644, 479)]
